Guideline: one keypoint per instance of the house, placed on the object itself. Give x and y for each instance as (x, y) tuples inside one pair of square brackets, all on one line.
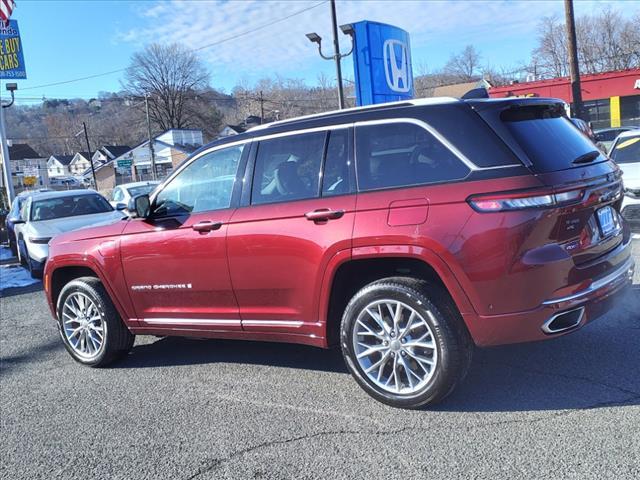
[(58, 165), (79, 164), (170, 149), (28, 167), (108, 152), (230, 130)]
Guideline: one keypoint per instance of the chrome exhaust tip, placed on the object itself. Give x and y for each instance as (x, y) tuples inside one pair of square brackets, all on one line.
[(563, 321)]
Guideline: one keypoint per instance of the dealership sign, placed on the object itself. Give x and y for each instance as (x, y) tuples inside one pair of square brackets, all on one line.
[(637, 84), (382, 63), (11, 56)]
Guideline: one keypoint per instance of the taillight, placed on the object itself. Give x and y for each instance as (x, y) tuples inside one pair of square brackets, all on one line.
[(497, 202)]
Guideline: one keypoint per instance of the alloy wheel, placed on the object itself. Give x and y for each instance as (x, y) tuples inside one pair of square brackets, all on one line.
[(395, 346), (83, 326)]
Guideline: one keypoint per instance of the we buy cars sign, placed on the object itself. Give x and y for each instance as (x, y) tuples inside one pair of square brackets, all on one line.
[(11, 57)]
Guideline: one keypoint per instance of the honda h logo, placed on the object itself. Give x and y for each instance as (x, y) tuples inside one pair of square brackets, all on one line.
[(396, 66)]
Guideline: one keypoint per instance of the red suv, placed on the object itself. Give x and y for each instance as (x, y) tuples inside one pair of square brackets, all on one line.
[(408, 233)]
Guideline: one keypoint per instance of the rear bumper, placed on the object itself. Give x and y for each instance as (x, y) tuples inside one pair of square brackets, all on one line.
[(531, 325)]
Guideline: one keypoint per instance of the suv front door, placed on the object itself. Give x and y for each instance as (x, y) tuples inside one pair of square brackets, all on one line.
[(175, 261), (297, 216)]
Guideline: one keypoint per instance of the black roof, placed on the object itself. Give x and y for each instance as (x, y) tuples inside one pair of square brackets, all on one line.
[(116, 150), (63, 159), (20, 151)]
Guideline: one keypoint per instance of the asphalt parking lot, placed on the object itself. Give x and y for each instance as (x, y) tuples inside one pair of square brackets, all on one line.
[(195, 409)]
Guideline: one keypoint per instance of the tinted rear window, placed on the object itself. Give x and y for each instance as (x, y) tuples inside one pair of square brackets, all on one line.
[(627, 150), (548, 137)]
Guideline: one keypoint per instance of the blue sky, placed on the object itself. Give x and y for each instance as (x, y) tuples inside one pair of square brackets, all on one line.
[(64, 40)]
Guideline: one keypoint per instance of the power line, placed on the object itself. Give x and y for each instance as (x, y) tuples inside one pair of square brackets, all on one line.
[(227, 39)]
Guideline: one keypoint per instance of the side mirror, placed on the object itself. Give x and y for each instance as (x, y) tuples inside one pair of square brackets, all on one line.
[(140, 205), (121, 206)]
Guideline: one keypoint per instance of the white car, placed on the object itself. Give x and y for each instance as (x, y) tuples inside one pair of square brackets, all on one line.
[(123, 193), (625, 151), (45, 215)]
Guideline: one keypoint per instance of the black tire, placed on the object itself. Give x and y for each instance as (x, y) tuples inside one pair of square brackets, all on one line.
[(452, 340), (35, 272), (118, 340), (22, 247), (13, 247)]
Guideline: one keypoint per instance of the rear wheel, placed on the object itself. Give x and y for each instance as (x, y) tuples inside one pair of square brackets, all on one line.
[(404, 342), (90, 326)]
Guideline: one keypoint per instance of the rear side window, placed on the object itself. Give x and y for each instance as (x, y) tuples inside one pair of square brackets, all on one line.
[(549, 138), (627, 150), (288, 168), (403, 154)]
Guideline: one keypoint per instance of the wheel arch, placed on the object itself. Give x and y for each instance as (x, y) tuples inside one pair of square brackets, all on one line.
[(370, 264)]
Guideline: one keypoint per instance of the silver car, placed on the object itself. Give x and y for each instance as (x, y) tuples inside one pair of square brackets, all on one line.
[(122, 194), (45, 215)]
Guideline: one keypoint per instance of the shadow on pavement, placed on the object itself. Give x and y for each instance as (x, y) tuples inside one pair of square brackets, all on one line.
[(583, 370)]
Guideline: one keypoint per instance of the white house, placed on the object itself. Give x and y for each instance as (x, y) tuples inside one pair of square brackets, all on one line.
[(230, 130), (170, 149), (58, 165), (79, 164), (28, 167), (108, 152)]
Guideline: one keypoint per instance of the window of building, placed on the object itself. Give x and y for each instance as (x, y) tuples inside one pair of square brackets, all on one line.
[(402, 154)]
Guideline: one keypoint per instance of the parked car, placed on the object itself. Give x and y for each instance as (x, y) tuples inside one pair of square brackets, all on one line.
[(407, 233), (45, 215), (606, 136), (626, 152), (14, 215), (122, 194), (65, 183)]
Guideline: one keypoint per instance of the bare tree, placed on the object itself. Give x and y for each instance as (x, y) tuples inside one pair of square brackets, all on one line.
[(606, 41), (172, 76), (464, 65)]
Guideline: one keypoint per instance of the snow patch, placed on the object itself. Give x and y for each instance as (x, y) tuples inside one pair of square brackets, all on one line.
[(5, 253), (14, 276)]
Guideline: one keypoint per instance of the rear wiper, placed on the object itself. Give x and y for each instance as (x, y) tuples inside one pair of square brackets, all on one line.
[(587, 157)]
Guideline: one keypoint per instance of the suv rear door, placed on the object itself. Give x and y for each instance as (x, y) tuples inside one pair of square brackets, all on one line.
[(297, 214)]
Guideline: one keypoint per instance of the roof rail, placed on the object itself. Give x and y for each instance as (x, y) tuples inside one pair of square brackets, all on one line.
[(376, 106)]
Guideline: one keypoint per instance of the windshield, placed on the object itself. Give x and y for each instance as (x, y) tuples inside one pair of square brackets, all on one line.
[(141, 190), (627, 150), (548, 137), (68, 207)]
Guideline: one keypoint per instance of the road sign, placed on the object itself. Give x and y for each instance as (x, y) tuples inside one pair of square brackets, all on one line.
[(11, 56), (126, 163), (382, 63)]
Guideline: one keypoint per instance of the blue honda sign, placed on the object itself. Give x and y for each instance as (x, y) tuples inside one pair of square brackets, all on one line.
[(382, 63)]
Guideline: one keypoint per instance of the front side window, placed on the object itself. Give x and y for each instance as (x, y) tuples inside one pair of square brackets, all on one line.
[(205, 184), (70, 206), (288, 168), (403, 154)]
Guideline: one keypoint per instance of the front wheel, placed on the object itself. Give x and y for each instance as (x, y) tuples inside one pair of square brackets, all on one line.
[(90, 326), (404, 342)]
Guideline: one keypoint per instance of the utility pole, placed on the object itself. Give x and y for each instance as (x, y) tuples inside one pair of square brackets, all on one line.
[(93, 170), (261, 108), (151, 150), (576, 91), (336, 53)]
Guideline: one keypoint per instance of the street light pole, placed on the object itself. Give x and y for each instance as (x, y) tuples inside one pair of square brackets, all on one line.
[(576, 91), (336, 54), (93, 170)]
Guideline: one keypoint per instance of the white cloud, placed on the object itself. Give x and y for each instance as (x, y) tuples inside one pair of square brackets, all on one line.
[(282, 47)]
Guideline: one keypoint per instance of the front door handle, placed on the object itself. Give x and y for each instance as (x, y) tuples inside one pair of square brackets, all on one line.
[(206, 226), (324, 214)]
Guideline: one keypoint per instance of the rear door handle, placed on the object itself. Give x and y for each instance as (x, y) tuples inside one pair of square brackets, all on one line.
[(206, 226), (324, 214)]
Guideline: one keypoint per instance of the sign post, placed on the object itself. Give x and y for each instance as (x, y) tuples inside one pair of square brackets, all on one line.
[(11, 67)]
